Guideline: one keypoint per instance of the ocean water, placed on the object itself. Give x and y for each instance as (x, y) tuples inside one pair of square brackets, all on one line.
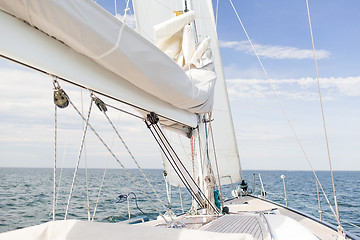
[(26, 195)]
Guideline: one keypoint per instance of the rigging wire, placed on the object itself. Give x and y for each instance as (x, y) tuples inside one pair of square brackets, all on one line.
[(167, 154), (199, 190), (322, 110), (92, 90), (283, 110)]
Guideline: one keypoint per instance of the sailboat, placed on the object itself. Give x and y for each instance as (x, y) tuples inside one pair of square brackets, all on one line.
[(169, 70)]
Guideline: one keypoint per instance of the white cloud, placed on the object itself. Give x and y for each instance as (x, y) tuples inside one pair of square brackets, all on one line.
[(302, 88), (274, 52)]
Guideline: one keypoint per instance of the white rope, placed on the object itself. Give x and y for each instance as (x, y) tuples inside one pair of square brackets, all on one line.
[(100, 188), (116, 158), (55, 145), (61, 173), (78, 161), (86, 170), (135, 161), (126, 10), (103, 177), (283, 109), (322, 112)]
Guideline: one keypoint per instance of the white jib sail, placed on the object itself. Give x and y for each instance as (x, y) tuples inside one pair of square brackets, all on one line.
[(150, 13), (223, 128)]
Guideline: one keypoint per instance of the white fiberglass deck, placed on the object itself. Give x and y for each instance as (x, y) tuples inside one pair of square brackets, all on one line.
[(253, 204), (259, 218)]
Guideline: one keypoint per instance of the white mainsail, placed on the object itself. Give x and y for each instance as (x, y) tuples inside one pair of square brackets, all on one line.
[(96, 41), (150, 13)]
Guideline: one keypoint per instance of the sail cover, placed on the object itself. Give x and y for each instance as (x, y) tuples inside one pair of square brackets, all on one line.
[(90, 30), (150, 13)]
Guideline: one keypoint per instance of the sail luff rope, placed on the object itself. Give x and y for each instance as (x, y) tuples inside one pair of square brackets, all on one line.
[(116, 158), (55, 146), (322, 110), (283, 109), (78, 161), (135, 161), (86, 170)]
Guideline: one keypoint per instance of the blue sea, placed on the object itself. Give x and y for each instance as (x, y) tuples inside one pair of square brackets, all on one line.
[(26, 195)]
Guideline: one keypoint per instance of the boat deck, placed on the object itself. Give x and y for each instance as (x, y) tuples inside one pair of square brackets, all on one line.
[(239, 223), (253, 204), (260, 218)]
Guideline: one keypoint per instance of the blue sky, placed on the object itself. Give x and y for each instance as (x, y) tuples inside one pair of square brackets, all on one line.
[(280, 33)]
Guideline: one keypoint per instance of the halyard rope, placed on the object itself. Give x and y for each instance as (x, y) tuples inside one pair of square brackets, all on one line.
[(55, 145), (283, 110), (86, 169), (322, 112), (103, 179), (78, 161), (135, 161), (116, 158)]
